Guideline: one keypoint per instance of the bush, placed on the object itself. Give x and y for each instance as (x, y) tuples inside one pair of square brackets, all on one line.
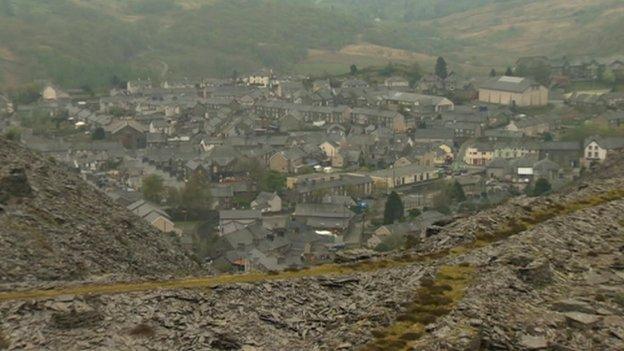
[(13, 134), (142, 330)]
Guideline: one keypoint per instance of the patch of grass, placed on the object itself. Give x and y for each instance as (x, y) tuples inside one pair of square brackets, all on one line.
[(435, 298), (142, 331), (75, 320), (619, 299)]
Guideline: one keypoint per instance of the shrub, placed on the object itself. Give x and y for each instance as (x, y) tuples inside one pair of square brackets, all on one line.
[(142, 330)]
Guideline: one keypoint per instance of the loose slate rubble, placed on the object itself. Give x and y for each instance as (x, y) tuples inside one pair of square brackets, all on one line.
[(557, 285), (54, 226), (306, 314)]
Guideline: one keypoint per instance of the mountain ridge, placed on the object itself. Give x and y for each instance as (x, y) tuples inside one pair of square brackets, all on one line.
[(78, 42)]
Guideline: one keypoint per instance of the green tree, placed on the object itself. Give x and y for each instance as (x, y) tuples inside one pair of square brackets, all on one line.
[(394, 209), (173, 197), (153, 188), (509, 72), (353, 69), (456, 192), (98, 134), (441, 68), (414, 73), (608, 76), (539, 71), (272, 182), (13, 134), (493, 73), (117, 82), (195, 197), (388, 70), (413, 213), (542, 186), (26, 94)]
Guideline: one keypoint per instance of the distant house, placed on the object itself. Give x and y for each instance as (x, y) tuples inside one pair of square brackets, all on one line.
[(267, 202), (413, 101), (330, 148), (233, 220), (511, 91), (416, 228), (287, 161), (565, 153), (498, 168), (397, 229), (479, 154), (222, 197), (324, 216), (534, 126), (153, 215), (434, 135), (53, 93), (389, 119), (354, 83), (597, 149), (396, 82), (6, 105), (343, 200), (547, 169), (313, 187), (260, 78), (400, 176), (611, 119), (130, 134)]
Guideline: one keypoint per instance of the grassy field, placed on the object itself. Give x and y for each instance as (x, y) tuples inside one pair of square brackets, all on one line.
[(87, 42)]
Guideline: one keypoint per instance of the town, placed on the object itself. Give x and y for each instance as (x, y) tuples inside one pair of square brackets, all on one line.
[(268, 172)]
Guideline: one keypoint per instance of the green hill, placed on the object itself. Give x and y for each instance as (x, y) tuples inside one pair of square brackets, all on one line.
[(77, 42)]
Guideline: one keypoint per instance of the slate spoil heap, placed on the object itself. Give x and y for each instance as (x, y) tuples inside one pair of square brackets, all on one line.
[(532, 274), (54, 226)]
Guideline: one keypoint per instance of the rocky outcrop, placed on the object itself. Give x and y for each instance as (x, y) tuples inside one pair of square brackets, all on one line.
[(54, 226), (532, 274)]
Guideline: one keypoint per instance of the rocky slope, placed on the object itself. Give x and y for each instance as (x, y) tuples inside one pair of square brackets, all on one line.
[(543, 273), (54, 226)]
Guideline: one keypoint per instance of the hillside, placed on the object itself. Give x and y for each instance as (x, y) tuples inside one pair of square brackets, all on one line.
[(77, 42), (54, 226), (533, 273)]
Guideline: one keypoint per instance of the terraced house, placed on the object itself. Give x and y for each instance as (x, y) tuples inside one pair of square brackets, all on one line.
[(481, 153)]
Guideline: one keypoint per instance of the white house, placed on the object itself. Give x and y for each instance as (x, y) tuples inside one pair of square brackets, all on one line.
[(598, 148), (53, 93), (261, 78)]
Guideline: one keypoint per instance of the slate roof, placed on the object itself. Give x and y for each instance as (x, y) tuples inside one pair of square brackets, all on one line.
[(560, 145), (239, 214), (323, 210), (264, 197), (116, 127), (434, 133), (509, 84), (609, 143), (421, 99), (546, 165), (402, 171)]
